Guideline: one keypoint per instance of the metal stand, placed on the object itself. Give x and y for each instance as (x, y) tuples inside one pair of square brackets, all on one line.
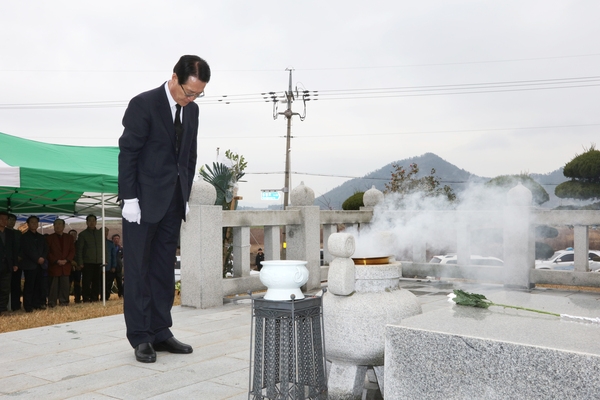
[(289, 353)]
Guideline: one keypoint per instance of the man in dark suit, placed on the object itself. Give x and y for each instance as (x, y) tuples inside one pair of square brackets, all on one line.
[(33, 252), (157, 163), (15, 281), (8, 259)]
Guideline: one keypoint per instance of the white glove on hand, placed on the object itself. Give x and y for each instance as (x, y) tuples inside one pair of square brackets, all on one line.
[(131, 210), (187, 208)]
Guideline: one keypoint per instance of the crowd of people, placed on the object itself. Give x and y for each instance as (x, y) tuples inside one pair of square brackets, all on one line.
[(54, 266)]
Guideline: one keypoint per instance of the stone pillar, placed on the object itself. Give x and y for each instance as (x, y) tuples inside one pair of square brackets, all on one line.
[(328, 230), (371, 198), (241, 251), (201, 255), (519, 238), (272, 243), (342, 269), (303, 241), (581, 246)]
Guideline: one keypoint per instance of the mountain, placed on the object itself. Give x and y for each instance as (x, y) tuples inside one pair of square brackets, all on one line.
[(448, 173)]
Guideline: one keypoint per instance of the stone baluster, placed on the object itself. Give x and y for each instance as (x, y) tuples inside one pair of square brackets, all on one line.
[(519, 238), (201, 244), (303, 241)]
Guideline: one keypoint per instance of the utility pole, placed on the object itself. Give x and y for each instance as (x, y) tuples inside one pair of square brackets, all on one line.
[(288, 114), (289, 96)]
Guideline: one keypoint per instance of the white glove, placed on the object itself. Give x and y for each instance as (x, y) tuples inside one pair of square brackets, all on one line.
[(187, 208), (131, 210)]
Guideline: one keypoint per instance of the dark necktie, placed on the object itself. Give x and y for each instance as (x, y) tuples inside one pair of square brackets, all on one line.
[(178, 128)]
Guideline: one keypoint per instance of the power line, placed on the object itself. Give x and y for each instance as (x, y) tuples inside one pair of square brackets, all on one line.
[(407, 132), (348, 94), (455, 63), (254, 137), (428, 90), (317, 68)]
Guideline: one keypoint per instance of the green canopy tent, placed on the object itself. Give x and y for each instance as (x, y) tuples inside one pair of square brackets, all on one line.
[(43, 178)]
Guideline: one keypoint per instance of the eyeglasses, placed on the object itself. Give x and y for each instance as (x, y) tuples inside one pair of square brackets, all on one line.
[(194, 95)]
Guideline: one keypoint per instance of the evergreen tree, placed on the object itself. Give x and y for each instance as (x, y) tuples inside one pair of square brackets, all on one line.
[(584, 171), (507, 182)]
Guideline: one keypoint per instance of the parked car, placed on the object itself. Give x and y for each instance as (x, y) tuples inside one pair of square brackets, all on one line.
[(475, 260), (564, 260)]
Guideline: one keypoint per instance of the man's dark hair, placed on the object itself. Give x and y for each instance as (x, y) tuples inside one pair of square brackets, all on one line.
[(191, 66), (33, 217), (115, 235), (13, 216), (59, 220), (4, 213), (72, 230), (90, 216)]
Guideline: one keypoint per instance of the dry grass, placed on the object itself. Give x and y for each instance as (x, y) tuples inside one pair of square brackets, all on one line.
[(18, 320), (567, 287)]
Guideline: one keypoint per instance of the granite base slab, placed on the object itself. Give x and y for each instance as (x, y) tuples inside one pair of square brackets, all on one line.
[(459, 352)]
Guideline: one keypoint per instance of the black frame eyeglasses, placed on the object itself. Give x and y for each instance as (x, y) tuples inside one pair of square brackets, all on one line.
[(194, 95)]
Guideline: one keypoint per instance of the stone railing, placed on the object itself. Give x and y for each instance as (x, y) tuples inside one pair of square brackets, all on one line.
[(203, 285)]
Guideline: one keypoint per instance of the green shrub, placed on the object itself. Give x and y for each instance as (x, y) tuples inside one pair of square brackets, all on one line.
[(354, 202)]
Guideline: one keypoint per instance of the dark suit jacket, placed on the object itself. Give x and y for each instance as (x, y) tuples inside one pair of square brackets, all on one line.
[(8, 250), (33, 246), (148, 163)]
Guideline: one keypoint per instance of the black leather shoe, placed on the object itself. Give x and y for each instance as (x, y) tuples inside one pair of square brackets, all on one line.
[(173, 345), (145, 353)]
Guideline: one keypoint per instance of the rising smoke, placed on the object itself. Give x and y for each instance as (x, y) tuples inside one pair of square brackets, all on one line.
[(432, 223)]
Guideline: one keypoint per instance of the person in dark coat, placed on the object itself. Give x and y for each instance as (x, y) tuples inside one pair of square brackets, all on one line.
[(17, 274), (75, 277), (260, 257), (116, 239), (33, 253), (111, 264), (89, 255), (8, 260)]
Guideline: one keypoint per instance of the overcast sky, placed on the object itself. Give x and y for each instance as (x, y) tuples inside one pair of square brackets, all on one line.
[(427, 59)]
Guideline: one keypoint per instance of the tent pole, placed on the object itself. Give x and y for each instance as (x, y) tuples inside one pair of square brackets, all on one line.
[(103, 255)]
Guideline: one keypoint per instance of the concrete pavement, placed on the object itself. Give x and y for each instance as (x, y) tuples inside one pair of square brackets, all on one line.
[(92, 359)]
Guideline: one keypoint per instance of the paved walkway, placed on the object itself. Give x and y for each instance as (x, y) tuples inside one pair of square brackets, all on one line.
[(91, 359)]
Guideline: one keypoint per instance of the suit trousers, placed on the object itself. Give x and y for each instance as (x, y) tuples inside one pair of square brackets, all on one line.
[(150, 258), (15, 289), (91, 274), (75, 277), (33, 291), (110, 278), (4, 285), (119, 279), (59, 290)]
